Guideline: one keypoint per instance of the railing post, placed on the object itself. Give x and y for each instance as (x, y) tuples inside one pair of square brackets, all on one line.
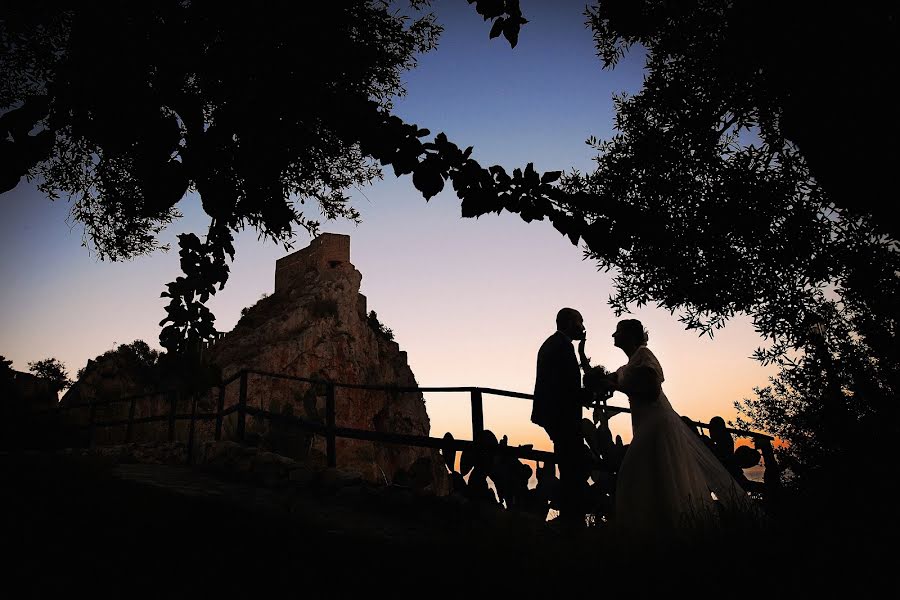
[(173, 404), (220, 407), (329, 424), (190, 449), (129, 430), (242, 408), (477, 414)]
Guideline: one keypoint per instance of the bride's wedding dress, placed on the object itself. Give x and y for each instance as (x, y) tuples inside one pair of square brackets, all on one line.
[(669, 479)]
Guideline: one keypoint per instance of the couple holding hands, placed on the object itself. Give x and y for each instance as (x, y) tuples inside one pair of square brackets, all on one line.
[(668, 478)]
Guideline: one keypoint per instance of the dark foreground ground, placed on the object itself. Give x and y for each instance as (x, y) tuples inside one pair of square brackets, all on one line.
[(90, 527)]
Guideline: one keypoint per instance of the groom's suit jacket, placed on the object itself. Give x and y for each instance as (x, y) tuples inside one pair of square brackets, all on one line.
[(557, 386)]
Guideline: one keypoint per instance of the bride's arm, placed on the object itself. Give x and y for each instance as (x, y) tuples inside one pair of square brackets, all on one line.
[(613, 379), (618, 379), (642, 383)]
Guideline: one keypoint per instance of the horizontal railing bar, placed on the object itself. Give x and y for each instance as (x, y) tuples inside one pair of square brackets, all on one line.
[(404, 439), (492, 391), (495, 392), (402, 389), (278, 376), (128, 398), (752, 434), (350, 432), (233, 378), (388, 388), (188, 416), (252, 411), (738, 432), (438, 443), (151, 419), (297, 421), (180, 417), (110, 423)]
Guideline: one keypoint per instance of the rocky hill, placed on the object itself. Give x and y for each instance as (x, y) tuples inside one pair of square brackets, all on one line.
[(316, 325)]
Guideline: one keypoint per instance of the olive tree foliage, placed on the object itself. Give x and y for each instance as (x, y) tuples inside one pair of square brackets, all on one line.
[(835, 401), (706, 200), (123, 108), (137, 357), (7, 374), (749, 177), (52, 370), (139, 104)]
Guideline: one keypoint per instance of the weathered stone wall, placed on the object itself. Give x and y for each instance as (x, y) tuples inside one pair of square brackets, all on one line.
[(113, 379), (324, 252)]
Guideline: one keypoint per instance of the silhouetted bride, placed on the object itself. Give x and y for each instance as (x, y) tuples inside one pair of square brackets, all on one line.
[(669, 479)]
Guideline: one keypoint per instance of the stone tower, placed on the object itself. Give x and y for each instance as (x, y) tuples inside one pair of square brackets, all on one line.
[(315, 325)]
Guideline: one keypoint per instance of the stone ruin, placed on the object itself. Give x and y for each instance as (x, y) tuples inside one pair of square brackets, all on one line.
[(315, 325)]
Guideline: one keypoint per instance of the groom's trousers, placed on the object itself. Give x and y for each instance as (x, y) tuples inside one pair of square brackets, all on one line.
[(568, 449)]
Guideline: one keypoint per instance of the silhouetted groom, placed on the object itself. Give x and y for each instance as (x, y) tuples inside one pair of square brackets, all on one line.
[(558, 400)]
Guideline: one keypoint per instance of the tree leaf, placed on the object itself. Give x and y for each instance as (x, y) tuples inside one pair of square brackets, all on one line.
[(551, 176), (511, 33), (428, 180), (497, 28)]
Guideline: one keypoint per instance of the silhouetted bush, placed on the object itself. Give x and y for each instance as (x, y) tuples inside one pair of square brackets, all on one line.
[(378, 327)]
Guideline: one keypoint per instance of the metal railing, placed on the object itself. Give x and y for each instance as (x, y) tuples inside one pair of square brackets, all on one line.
[(329, 429)]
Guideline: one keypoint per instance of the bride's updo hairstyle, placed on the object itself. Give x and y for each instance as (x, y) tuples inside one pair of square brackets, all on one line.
[(635, 329)]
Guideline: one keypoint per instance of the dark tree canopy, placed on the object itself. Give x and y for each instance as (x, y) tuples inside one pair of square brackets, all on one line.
[(706, 200), (814, 75), (7, 382), (137, 357), (6, 371), (53, 370), (125, 108), (744, 176), (143, 103), (138, 104), (751, 169)]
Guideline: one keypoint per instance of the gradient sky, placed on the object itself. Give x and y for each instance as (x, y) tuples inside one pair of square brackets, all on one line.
[(469, 300)]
